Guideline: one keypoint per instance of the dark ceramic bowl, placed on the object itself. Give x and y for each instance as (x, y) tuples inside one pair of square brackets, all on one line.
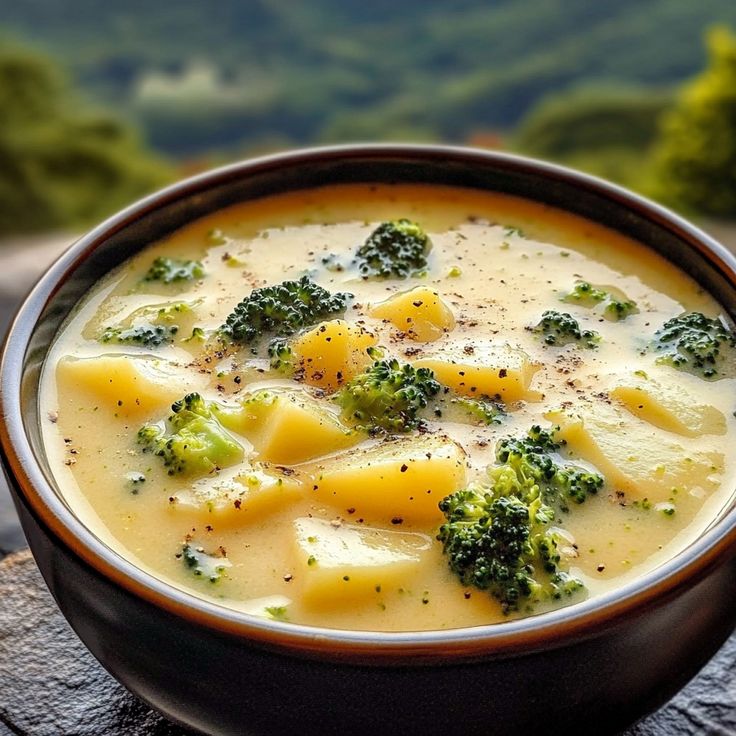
[(593, 668)]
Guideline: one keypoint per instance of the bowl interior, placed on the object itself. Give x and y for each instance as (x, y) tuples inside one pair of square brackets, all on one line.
[(130, 231)]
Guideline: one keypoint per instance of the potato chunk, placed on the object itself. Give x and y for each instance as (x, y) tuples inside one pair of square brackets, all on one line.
[(420, 313), (128, 386), (338, 563), (635, 458), (483, 369), (288, 427), (669, 407), (239, 496), (332, 353), (404, 478)]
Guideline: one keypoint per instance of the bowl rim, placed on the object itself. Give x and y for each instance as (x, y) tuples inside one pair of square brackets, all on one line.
[(543, 631)]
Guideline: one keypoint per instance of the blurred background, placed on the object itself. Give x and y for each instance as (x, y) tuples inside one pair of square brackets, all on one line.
[(103, 102)]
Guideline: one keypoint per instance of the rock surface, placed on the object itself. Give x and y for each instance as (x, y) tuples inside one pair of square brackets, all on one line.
[(50, 685)]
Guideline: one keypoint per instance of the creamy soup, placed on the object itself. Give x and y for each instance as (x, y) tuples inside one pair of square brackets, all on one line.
[(283, 488)]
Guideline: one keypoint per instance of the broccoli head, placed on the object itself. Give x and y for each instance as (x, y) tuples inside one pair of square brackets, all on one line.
[(395, 249), (145, 335), (174, 270), (192, 441), (204, 564), (561, 328), (481, 410), (502, 543), (282, 310), (281, 356), (388, 396), (618, 309), (150, 327), (497, 535), (586, 294), (695, 343), (535, 462)]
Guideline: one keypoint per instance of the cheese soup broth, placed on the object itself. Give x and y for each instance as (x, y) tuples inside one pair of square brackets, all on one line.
[(496, 263)]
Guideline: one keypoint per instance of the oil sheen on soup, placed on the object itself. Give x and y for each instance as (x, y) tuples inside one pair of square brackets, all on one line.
[(389, 407)]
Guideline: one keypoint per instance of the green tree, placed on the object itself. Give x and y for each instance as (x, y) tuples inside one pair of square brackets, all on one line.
[(694, 161), (607, 131), (588, 119), (60, 165)]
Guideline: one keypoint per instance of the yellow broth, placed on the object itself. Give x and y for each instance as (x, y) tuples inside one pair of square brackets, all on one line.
[(496, 282)]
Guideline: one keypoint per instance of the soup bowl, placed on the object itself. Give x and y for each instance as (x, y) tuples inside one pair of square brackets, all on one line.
[(594, 667)]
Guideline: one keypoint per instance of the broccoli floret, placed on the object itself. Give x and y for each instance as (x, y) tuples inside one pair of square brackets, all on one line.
[(173, 270), (395, 249), (149, 327), (618, 309), (388, 396), (561, 328), (501, 542), (188, 408), (198, 335), (281, 356), (480, 411), (695, 343), (171, 312), (282, 310), (204, 564), (192, 441), (586, 294), (535, 459), (277, 613), (497, 537), (146, 335)]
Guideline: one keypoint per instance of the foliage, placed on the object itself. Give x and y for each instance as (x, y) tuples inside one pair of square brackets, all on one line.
[(695, 160), (331, 70), (607, 131), (61, 167), (588, 119)]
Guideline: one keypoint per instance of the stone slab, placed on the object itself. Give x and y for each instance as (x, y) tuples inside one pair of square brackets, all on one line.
[(50, 685)]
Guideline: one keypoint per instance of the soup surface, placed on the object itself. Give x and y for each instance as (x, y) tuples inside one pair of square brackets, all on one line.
[(286, 489)]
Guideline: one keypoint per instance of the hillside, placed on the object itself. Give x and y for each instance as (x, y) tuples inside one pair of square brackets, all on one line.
[(233, 74)]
